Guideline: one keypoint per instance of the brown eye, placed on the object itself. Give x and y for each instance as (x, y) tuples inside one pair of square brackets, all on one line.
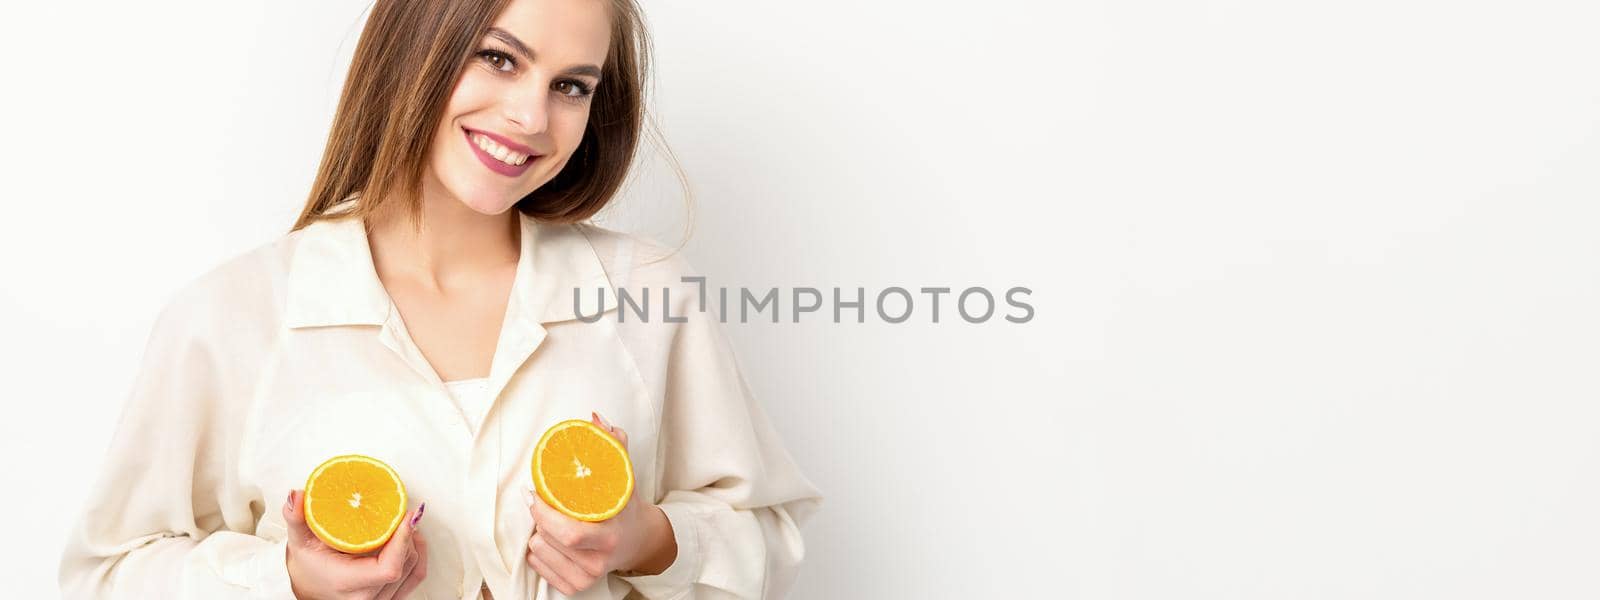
[(498, 60), (573, 88)]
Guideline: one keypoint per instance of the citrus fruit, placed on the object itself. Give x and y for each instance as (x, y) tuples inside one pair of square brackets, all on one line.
[(354, 503), (581, 471)]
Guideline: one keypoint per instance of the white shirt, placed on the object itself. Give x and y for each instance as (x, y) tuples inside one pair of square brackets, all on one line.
[(293, 352), (471, 397)]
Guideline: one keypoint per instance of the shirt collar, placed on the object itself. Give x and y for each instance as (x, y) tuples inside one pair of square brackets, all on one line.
[(332, 280)]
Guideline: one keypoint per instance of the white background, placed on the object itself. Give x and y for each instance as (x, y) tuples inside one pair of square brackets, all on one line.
[(1315, 284)]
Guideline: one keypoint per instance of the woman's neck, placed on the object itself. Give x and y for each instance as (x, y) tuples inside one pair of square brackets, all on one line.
[(455, 245)]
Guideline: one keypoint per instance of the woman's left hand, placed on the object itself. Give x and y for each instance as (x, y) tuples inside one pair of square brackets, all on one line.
[(572, 555)]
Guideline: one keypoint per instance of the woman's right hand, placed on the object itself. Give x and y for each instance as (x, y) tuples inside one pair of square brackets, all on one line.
[(319, 572)]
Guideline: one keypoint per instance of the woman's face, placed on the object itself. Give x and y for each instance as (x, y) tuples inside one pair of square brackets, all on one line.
[(519, 110)]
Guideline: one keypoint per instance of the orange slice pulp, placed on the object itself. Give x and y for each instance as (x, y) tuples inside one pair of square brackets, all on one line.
[(582, 471), (354, 503)]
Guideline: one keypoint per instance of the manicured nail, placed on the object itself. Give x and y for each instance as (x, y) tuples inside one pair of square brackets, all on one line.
[(418, 517), (527, 497), (291, 497)]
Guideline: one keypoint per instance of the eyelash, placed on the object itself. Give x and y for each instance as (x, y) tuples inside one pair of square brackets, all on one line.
[(584, 91)]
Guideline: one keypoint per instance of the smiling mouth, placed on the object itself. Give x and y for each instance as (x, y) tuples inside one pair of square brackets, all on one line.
[(497, 156), (497, 151)]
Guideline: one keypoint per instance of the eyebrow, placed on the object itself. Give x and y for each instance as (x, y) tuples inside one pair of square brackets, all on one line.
[(526, 52)]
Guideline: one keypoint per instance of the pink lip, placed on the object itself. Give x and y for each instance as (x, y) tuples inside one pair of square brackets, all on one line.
[(493, 163)]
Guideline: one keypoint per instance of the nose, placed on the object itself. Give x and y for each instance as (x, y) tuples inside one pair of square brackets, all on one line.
[(526, 109)]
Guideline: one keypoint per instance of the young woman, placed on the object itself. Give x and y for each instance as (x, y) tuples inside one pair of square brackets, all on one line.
[(426, 310)]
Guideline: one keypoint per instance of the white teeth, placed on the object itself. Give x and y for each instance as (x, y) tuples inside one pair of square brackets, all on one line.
[(500, 153)]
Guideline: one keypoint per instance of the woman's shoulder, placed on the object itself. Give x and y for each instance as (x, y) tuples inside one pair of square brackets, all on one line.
[(241, 293), (637, 259)]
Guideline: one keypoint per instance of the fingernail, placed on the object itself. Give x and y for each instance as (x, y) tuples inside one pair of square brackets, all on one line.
[(604, 422), (418, 517), (527, 497), (290, 500)]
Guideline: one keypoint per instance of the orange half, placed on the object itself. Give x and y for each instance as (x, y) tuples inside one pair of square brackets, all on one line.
[(581, 471), (354, 503)]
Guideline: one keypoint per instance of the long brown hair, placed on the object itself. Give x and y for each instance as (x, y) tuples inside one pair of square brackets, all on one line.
[(410, 55)]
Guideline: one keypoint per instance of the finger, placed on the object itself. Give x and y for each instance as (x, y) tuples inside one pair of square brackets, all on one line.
[(294, 519), (557, 578), (591, 562), (582, 540), (615, 431), (551, 522), (544, 517), (388, 591), (577, 539), (576, 575), (389, 565), (547, 574), (588, 560), (414, 580)]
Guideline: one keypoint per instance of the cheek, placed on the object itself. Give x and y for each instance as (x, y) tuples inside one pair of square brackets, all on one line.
[(472, 93), (569, 127), (468, 96)]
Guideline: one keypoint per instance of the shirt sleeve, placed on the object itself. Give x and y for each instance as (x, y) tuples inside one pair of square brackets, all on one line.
[(733, 494), (167, 517)]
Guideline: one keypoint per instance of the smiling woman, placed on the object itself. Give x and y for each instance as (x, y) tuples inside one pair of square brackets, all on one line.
[(470, 93), (416, 313)]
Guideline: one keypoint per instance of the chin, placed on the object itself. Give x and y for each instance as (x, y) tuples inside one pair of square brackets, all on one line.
[(486, 199), (489, 204), (481, 194)]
